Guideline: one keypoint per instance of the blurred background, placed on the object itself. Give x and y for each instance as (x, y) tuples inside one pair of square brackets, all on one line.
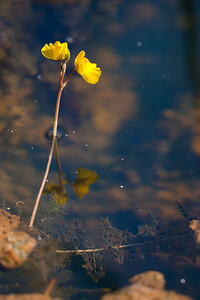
[(138, 129)]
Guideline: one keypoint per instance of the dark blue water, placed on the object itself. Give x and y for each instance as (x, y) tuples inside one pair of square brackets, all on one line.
[(138, 128)]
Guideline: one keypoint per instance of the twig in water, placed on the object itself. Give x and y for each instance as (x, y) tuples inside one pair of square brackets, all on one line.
[(49, 287), (114, 247)]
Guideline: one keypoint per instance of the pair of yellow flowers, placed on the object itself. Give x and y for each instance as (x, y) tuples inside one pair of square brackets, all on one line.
[(59, 51)]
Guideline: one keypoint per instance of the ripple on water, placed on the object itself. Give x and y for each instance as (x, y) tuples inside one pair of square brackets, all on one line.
[(61, 133)]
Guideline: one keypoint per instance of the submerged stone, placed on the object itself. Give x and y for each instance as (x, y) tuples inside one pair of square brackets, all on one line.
[(145, 286), (15, 249), (15, 246)]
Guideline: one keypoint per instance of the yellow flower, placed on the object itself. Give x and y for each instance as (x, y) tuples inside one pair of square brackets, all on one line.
[(86, 69), (56, 51)]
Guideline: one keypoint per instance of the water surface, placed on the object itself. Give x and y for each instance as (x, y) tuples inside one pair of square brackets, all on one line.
[(138, 129)]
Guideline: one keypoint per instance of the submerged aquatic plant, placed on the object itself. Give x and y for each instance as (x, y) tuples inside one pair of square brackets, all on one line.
[(90, 73)]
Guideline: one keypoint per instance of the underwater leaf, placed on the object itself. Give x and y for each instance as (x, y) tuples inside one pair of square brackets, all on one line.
[(58, 192), (84, 178)]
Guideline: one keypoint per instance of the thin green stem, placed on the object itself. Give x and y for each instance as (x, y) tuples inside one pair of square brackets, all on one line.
[(42, 184), (55, 125), (59, 166), (66, 81), (57, 158), (49, 287)]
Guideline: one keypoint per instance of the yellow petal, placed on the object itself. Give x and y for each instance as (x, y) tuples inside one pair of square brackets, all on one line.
[(79, 62), (56, 51), (57, 44), (86, 69)]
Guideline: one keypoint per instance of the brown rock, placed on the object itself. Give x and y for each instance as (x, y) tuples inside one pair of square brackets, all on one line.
[(152, 279), (15, 249), (145, 286), (15, 246), (8, 221)]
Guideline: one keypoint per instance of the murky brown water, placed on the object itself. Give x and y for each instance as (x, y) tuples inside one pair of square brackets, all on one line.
[(138, 129)]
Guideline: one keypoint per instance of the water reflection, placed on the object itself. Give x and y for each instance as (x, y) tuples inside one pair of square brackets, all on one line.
[(57, 191), (138, 129), (84, 178)]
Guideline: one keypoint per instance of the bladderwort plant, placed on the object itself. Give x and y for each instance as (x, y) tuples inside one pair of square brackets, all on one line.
[(90, 73)]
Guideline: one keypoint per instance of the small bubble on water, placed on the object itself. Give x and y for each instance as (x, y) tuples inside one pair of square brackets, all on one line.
[(32, 148), (61, 133), (69, 39), (139, 44), (121, 186), (182, 281), (39, 77)]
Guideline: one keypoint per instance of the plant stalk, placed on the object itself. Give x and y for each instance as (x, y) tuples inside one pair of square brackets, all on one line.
[(55, 125)]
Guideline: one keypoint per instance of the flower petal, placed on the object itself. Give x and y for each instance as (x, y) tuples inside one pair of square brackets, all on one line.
[(56, 51), (86, 69)]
